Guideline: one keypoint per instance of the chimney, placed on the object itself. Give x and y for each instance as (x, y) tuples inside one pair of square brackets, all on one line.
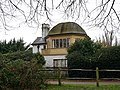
[(45, 30)]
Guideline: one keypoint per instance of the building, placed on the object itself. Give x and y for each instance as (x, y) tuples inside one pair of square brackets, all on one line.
[(54, 43)]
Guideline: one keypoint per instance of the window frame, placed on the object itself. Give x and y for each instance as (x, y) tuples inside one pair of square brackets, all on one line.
[(61, 43)]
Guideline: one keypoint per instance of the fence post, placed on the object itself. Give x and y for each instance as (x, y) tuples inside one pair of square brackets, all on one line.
[(59, 76), (97, 77)]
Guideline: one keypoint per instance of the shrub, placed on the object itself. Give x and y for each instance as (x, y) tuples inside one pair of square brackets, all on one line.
[(86, 47), (109, 58), (77, 61), (105, 58), (22, 74), (80, 55)]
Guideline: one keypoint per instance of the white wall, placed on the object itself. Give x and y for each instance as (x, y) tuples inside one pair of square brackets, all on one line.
[(35, 49), (49, 59)]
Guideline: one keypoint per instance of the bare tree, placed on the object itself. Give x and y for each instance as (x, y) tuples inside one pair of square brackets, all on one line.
[(100, 13), (26, 11), (107, 38)]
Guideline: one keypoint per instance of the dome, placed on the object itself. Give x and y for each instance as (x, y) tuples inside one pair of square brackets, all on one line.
[(66, 28)]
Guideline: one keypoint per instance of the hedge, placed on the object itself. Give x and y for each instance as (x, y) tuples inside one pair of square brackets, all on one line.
[(109, 58), (105, 58)]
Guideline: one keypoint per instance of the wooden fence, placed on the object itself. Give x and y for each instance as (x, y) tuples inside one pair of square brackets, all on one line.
[(59, 74)]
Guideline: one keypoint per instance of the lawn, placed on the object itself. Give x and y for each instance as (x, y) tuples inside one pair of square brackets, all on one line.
[(83, 87)]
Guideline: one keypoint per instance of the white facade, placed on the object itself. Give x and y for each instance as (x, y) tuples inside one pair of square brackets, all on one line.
[(50, 59), (36, 49)]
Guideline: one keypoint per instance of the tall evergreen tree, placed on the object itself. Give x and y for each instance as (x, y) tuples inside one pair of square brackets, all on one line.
[(13, 46)]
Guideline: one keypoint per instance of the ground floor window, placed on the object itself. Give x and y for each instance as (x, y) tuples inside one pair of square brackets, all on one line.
[(60, 62)]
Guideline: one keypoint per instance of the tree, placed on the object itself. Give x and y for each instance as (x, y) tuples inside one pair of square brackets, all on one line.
[(100, 13), (82, 51), (86, 47), (81, 55), (107, 39), (13, 46)]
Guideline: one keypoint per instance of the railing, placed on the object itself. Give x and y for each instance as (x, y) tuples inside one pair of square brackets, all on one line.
[(59, 74)]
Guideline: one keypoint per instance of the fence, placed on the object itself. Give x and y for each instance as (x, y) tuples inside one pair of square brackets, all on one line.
[(61, 71)]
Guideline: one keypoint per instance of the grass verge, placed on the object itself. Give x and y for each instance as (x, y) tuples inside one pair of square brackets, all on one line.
[(83, 87)]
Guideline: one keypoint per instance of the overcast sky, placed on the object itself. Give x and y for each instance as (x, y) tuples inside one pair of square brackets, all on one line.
[(30, 34)]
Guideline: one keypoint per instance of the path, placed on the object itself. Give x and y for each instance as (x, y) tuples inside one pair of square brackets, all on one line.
[(102, 82)]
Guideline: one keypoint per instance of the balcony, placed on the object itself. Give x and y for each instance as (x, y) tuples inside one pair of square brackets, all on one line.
[(54, 51)]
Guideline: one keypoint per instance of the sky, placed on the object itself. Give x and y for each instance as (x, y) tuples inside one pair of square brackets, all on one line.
[(29, 34)]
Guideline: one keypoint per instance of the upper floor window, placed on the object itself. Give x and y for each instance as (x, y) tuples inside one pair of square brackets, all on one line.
[(57, 43), (64, 43), (68, 42), (60, 43), (53, 43), (76, 39)]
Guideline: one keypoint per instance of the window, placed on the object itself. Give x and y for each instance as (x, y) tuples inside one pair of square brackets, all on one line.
[(57, 43), (60, 62), (68, 42), (76, 39), (53, 43), (64, 43), (61, 43)]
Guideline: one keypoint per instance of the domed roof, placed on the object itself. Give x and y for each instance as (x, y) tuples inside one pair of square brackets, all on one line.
[(66, 28)]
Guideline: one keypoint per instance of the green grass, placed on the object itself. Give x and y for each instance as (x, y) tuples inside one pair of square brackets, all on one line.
[(83, 87)]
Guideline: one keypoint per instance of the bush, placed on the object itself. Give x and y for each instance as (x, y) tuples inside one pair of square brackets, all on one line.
[(105, 58), (76, 61), (109, 58), (86, 47), (22, 74), (80, 56)]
